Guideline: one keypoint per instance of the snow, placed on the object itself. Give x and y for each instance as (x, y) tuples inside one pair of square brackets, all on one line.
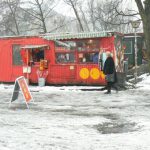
[(70, 118), (145, 83)]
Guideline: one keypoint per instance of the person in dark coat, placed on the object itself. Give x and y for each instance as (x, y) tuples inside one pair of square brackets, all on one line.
[(110, 74)]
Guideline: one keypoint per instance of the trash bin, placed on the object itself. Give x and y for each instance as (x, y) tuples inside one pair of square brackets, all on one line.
[(41, 82), (42, 74), (121, 76), (125, 66)]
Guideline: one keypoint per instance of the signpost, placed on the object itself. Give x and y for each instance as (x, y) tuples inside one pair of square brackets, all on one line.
[(135, 25), (21, 83)]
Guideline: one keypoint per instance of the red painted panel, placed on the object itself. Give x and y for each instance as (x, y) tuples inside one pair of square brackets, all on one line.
[(57, 73), (62, 74), (107, 43), (5, 61), (8, 71)]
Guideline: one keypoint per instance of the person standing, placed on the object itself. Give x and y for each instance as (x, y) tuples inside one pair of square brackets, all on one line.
[(110, 73)]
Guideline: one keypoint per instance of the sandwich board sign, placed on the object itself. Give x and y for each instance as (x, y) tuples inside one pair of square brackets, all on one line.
[(21, 84)]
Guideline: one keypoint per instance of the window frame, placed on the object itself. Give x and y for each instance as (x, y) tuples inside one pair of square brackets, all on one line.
[(79, 46), (131, 47), (16, 59)]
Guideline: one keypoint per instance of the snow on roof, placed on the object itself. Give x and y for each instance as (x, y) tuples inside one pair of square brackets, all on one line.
[(61, 36)]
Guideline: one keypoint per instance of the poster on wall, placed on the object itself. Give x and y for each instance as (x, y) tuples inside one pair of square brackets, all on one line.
[(119, 54)]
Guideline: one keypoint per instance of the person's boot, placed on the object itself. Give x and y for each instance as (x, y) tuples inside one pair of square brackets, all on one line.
[(108, 92), (116, 88), (104, 88), (108, 89)]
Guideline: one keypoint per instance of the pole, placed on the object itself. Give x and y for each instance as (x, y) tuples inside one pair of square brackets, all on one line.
[(135, 50), (27, 67), (135, 25)]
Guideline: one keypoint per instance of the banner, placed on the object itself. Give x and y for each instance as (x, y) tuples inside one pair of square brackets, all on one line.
[(21, 84)]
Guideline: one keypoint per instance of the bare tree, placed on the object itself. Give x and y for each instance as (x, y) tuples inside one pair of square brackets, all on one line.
[(74, 4), (9, 15), (144, 10), (91, 11), (29, 17), (109, 16), (143, 14), (40, 11), (84, 18)]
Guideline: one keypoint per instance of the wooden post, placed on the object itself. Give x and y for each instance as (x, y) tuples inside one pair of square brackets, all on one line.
[(27, 66)]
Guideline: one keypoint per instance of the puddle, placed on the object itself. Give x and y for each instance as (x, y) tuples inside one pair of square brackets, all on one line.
[(64, 110), (110, 116), (116, 127)]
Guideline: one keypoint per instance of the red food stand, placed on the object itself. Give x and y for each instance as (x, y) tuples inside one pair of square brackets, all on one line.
[(69, 58)]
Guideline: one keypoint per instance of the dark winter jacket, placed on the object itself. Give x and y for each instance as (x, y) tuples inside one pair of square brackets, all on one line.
[(109, 67)]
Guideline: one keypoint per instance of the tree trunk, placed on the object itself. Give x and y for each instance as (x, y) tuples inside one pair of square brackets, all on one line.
[(145, 15), (13, 12), (146, 26), (42, 17), (77, 15)]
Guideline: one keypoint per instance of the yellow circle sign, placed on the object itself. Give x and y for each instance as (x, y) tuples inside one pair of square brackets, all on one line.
[(102, 75), (84, 73), (94, 73)]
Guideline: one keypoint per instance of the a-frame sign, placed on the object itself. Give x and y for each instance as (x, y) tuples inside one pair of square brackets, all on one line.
[(21, 83)]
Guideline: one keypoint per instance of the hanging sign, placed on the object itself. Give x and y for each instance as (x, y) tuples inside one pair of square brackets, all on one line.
[(21, 84)]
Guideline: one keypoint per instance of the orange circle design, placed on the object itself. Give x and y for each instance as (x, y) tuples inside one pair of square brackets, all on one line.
[(102, 75), (84, 73), (95, 73)]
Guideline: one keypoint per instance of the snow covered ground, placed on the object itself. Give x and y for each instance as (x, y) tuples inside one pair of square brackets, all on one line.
[(70, 118)]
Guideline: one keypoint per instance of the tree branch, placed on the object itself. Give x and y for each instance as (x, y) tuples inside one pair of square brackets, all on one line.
[(140, 7)]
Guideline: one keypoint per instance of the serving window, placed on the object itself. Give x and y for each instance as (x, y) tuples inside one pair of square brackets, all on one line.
[(65, 51), (81, 51), (88, 45), (88, 50), (88, 57), (37, 55), (65, 57), (33, 54)]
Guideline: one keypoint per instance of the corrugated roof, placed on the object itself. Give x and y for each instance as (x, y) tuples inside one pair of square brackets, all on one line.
[(63, 36)]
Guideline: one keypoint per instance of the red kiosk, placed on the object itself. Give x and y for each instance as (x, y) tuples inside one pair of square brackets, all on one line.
[(69, 58)]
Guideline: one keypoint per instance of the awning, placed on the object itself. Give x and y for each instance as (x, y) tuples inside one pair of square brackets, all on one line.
[(62, 43), (34, 46)]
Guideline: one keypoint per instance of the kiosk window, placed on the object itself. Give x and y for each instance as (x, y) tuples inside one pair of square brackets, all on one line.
[(88, 57), (82, 51), (129, 46), (65, 57), (65, 51), (37, 55), (88, 45), (16, 55)]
